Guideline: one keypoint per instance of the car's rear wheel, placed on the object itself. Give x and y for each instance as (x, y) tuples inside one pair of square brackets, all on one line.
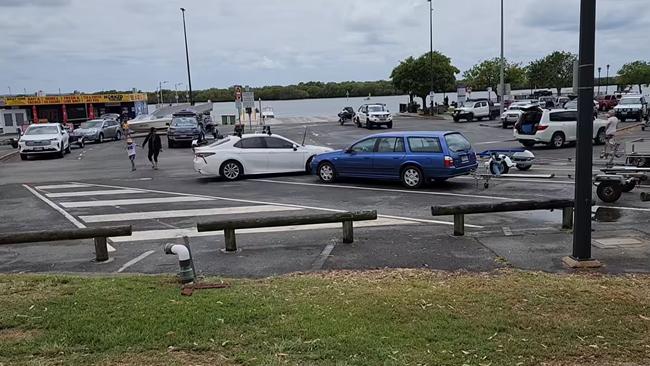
[(326, 172), (23, 156), (412, 177), (558, 140), (456, 119), (118, 136), (609, 192), (470, 117), (231, 170), (100, 139)]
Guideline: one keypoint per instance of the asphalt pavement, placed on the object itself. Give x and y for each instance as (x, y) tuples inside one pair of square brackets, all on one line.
[(94, 186)]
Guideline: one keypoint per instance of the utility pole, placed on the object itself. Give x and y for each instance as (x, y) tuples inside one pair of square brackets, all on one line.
[(502, 76), (599, 68), (187, 59), (607, 81), (581, 256), (431, 52)]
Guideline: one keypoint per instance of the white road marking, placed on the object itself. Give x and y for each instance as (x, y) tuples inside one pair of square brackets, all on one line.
[(70, 218), (183, 213), (192, 232), (135, 260), (92, 193), (384, 190), (63, 186), (135, 201), (322, 257), (625, 208), (424, 221)]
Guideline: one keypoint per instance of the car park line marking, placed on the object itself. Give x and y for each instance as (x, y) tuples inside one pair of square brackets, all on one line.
[(135, 260), (134, 201), (625, 208), (70, 218), (322, 257), (385, 189), (424, 221), (192, 232), (92, 193), (62, 186), (183, 213)]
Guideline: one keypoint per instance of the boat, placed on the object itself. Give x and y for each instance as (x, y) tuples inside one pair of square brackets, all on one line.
[(144, 122), (267, 113)]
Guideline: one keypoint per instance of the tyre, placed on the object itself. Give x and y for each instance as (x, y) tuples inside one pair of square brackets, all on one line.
[(601, 136), (628, 187), (326, 172), (456, 119), (81, 143), (412, 177), (609, 192), (504, 125), (470, 117), (368, 124), (61, 152), (527, 143), (505, 168), (118, 136), (231, 170), (100, 139), (638, 117), (558, 140), (308, 165), (479, 119), (523, 168), (23, 156), (358, 123), (389, 125)]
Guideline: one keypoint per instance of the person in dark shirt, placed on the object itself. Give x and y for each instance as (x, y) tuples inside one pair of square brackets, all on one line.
[(155, 145)]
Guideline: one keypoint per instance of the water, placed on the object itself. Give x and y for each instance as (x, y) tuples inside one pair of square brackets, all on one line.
[(329, 107)]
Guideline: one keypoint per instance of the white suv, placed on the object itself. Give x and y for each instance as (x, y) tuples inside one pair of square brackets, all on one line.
[(373, 115), (44, 138), (553, 127)]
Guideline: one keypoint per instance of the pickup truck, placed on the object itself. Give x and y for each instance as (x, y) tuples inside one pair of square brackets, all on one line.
[(477, 108), (632, 107)]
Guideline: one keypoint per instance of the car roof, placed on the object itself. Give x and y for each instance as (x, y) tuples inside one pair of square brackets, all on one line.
[(413, 133), (44, 124)]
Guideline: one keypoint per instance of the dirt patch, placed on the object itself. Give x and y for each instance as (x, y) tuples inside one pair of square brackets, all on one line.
[(14, 335)]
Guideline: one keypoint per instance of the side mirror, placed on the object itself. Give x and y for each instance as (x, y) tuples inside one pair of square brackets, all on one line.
[(295, 147), (348, 150), (195, 143)]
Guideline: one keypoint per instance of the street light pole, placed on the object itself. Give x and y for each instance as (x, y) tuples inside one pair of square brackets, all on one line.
[(160, 84), (187, 59), (599, 68), (607, 81), (176, 90), (581, 256), (431, 52), (502, 73)]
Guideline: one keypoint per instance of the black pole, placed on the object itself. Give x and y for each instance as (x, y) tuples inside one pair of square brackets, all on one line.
[(584, 151), (187, 59), (599, 68), (607, 81), (431, 51)]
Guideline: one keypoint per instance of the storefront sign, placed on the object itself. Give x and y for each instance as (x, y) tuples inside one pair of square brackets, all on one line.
[(76, 99)]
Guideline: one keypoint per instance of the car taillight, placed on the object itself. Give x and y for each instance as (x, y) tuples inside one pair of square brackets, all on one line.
[(203, 155), (541, 127), (449, 162)]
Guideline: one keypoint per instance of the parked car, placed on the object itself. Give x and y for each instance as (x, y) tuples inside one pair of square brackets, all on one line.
[(74, 138), (632, 107), (476, 108), (573, 104), (234, 156), (608, 102), (514, 112), (553, 127), (44, 138), (184, 128), (547, 102), (373, 115), (98, 130), (413, 158)]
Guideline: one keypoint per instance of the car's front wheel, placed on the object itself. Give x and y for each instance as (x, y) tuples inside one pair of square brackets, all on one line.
[(100, 139), (470, 117), (326, 172), (231, 170), (601, 137), (67, 149), (61, 152), (412, 177), (389, 125), (23, 156), (118, 136)]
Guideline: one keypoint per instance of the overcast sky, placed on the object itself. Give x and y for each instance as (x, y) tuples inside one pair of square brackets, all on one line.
[(91, 45)]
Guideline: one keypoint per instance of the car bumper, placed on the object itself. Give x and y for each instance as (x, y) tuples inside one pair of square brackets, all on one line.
[(38, 149), (201, 167), (620, 114), (455, 172), (183, 138)]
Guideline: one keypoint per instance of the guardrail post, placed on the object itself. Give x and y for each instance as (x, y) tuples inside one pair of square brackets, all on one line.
[(348, 232), (459, 224), (101, 249), (567, 218), (231, 242)]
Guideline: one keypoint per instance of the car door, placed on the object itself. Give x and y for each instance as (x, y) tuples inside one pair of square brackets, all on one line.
[(484, 109), (427, 151), (388, 156), (109, 131), (569, 121), (251, 153), (283, 156), (357, 160)]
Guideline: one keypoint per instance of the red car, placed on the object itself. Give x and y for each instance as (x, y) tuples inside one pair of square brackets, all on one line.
[(608, 102)]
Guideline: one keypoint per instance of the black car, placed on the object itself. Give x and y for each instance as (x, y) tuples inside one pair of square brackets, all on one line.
[(184, 128)]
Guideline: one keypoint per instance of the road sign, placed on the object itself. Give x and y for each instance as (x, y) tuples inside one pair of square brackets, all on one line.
[(248, 97), (237, 93)]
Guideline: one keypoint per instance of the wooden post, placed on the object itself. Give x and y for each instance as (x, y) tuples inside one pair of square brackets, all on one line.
[(231, 242), (567, 218), (101, 249), (459, 224), (348, 232)]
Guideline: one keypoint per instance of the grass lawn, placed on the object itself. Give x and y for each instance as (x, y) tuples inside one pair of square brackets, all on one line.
[(399, 317)]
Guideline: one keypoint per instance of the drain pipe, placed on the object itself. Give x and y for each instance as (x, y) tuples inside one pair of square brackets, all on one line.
[(184, 260)]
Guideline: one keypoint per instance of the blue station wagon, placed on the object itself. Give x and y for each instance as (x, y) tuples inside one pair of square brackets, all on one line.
[(411, 157)]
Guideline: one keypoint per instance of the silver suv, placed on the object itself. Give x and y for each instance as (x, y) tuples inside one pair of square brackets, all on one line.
[(99, 130)]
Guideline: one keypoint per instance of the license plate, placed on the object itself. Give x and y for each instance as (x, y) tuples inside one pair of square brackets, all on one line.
[(464, 159), (38, 149)]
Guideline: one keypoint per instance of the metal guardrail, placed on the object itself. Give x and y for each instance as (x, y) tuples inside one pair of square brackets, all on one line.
[(98, 234), (459, 211), (230, 225)]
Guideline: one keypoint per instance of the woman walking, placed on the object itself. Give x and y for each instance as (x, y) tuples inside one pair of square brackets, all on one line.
[(154, 147)]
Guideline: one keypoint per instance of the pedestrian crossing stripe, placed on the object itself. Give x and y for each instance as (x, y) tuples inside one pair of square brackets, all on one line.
[(92, 193), (134, 201)]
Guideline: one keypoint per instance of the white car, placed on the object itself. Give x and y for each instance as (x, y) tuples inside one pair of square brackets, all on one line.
[(553, 127), (373, 115), (632, 107), (234, 156), (511, 116), (44, 138)]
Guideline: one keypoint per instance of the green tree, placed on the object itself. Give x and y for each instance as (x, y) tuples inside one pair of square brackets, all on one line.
[(402, 77), (635, 73), (415, 76), (488, 74), (554, 70)]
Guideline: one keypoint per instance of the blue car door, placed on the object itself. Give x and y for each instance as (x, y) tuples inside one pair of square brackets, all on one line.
[(388, 157), (427, 151), (357, 160)]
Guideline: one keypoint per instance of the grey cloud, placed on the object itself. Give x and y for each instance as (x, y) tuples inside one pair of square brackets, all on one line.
[(35, 3)]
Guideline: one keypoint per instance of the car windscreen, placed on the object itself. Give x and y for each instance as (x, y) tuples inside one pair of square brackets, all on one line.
[(457, 142), (41, 130), (625, 101), (376, 108), (184, 122), (92, 124)]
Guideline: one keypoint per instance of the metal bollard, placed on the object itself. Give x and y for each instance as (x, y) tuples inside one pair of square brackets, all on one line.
[(185, 263)]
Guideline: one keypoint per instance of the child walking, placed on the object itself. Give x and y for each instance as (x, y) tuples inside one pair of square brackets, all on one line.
[(130, 148)]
